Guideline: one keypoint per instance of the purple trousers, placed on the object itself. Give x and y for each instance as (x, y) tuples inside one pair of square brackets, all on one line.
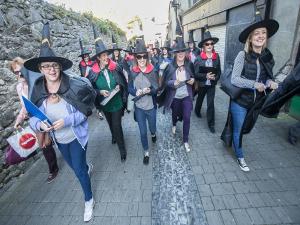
[(181, 110)]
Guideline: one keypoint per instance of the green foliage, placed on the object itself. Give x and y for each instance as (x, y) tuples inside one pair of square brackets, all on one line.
[(105, 26)]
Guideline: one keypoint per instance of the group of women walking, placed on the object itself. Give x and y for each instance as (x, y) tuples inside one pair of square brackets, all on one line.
[(172, 82)]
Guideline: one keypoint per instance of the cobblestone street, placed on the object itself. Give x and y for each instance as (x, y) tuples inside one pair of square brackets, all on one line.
[(204, 186)]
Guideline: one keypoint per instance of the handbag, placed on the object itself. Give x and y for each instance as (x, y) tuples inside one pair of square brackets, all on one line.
[(226, 85), (233, 91), (226, 135), (24, 142), (12, 158)]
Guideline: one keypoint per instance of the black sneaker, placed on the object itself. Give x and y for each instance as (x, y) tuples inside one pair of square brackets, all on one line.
[(212, 129), (198, 114), (153, 137), (113, 141), (146, 158), (123, 158), (51, 177)]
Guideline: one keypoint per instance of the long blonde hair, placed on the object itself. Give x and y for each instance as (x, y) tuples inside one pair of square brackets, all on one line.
[(248, 44)]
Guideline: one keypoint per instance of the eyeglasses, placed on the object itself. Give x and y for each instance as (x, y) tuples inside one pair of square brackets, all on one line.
[(55, 66), (138, 57), (209, 43), (18, 73)]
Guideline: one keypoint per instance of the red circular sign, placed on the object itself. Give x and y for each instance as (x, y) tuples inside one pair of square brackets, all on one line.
[(27, 141)]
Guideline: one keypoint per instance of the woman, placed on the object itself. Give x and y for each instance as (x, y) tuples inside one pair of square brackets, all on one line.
[(178, 83), (116, 52), (207, 80), (107, 76), (54, 96), (143, 85), (164, 60), (252, 71), (16, 66), (193, 52)]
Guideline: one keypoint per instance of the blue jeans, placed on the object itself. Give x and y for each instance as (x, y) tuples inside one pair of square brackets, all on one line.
[(238, 116), (141, 117), (75, 156)]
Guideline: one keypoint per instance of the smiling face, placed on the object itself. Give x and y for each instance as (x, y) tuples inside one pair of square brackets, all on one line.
[(258, 37), (86, 57), (116, 53), (165, 51), (103, 58), (51, 70), (208, 46), (180, 56), (141, 60)]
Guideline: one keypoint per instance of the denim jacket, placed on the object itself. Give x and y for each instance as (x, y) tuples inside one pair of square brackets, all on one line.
[(75, 119)]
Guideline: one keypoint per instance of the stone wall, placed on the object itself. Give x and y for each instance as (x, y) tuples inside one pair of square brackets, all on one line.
[(21, 22)]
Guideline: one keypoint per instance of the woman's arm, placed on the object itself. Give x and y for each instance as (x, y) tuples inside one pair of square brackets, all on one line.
[(74, 118), (237, 77)]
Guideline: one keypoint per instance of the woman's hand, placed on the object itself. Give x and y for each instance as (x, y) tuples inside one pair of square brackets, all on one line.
[(58, 124), (44, 127), (104, 93), (191, 81), (273, 85), (210, 76), (146, 90), (117, 87), (259, 86), (139, 92)]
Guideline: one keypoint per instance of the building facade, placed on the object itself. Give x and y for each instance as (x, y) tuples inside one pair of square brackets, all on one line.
[(226, 19)]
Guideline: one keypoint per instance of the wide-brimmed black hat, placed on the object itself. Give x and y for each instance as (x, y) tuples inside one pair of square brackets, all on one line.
[(46, 54), (167, 45), (140, 47), (84, 50), (129, 48), (207, 37), (180, 45), (114, 44), (270, 24), (191, 37), (99, 45)]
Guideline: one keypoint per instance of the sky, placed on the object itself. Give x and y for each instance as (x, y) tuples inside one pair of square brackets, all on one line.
[(121, 11)]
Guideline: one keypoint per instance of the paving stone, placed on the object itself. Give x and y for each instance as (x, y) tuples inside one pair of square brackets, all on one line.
[(135, 220), (213, 218), (241, 217), (255, 216), (243, 201), (144, 209), (204, 190), (222, 189), (218, 202), (209, 178), (207, 203), (282, 215), (116, 209), (227, 217), (230, 202), (146, 220), (269, 215), (255, 200)]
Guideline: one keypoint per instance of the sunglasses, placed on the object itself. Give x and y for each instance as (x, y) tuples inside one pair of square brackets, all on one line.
[(138, 57), (209, 43), (49, 66)]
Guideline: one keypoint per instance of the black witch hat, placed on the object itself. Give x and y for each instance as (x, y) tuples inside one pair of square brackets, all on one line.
[(180, 45), (140, 47), (84, 50), (167, 45), (191, 37), (207, 37), (46, 54), (99, 45), (114, 43), (270, 24), (129, 48)]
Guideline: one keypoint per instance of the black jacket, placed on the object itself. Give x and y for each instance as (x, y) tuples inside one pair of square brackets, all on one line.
[(201, 77), (74, 90), (286, 90)]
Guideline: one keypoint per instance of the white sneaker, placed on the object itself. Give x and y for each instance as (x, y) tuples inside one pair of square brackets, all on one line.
[(88, 210), (174, 130), (243, 165), (90, 170), (187, 147)]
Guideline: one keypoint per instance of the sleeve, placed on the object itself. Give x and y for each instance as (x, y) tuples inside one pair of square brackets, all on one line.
[(74, 118), (131, 89), (218, 75), (237, 78), (34, 122)]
